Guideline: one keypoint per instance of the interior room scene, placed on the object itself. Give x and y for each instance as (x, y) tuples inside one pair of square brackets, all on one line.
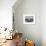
[(22, 22)]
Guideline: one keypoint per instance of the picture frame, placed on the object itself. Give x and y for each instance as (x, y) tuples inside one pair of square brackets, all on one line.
[(28, 19)]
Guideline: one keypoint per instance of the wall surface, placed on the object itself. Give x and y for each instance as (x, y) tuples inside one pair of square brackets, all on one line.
[(43, 22), (6, 13), (32, 31)]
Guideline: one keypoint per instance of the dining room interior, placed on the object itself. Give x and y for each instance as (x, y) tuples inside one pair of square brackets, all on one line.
[(22, 22)]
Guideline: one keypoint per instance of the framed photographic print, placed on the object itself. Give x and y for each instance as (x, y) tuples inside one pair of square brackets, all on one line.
[(28, 19)]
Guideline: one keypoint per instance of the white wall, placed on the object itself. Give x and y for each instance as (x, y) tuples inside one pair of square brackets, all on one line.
[(43, 22), (37, 31), (6, 13)]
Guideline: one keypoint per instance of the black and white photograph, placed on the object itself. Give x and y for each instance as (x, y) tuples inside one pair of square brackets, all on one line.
[(29, 19)]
